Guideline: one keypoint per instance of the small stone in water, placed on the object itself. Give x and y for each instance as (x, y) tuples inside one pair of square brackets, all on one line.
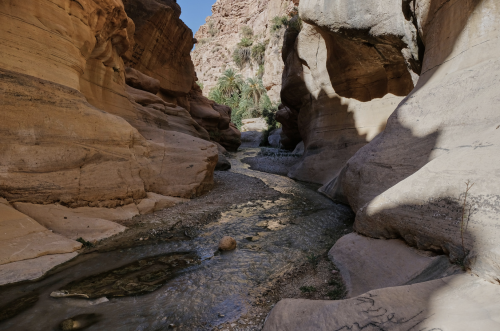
[(334, 272), (227, 244)]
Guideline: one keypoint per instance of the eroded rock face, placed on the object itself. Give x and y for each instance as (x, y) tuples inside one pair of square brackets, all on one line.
[(162, 52), (458, 303), (165, 56), (138, 80), (290, 134), (116, 164), (141, 10), (214, 118), (410, 181), (219, 36), (73, 134), (330, 102)]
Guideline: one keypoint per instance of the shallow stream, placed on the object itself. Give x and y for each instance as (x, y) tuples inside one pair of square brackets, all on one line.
[(198, 292)]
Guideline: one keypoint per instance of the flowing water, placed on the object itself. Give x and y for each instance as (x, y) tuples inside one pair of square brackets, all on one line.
[(185, 285)]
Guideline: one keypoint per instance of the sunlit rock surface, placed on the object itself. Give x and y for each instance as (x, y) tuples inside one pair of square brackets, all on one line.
[(345, 73), (23, 238), (162, 51), (73, 134), (457, 303), (222, 32), (410, 181)]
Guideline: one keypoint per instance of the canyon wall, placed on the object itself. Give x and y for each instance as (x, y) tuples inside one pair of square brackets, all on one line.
[(410, 182), (162, 51), (217, 39), (428, 180), (352, 66), (76, 135), (331, 102)]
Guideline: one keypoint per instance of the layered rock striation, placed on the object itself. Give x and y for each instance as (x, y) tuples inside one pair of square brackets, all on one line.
[(63, 89), (165, 56), (77, 136)]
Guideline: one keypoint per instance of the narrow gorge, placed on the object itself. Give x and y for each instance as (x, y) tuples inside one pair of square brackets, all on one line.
[(290, 165)]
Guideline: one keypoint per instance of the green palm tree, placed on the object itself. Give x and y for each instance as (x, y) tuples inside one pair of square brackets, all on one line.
[(247, 108), (230, 83), (253, 89), (216, 95)]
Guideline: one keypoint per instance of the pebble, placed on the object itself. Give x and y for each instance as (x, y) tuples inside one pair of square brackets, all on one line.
[(227, 244)]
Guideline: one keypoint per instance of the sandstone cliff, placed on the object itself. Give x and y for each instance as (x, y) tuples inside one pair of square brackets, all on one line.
[(162, 50), (410, 181), (76, 135), (218, 38), (429, 178), (345, 74), (332, 103)]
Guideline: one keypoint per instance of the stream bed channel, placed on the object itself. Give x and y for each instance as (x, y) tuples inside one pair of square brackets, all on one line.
[(186, 284)]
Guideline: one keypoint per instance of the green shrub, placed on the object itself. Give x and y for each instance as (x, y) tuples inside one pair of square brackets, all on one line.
[(336, 294), (269, 114), (313, 260), (259, 53), (308, 289), (212, 30), (279, 22), (85, 243), (216, 95), (245, 98), (230, 83), (245, 42), (295, 23), (241, 56), (200, 84)]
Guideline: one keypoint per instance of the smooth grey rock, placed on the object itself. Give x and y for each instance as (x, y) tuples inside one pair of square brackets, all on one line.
[(274, 138), (456, 303), (368, 264), (31, 269), (299, 149), (409, 182)]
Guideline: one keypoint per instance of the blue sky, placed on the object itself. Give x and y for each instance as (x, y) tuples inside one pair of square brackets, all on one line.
[(194, 12)]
